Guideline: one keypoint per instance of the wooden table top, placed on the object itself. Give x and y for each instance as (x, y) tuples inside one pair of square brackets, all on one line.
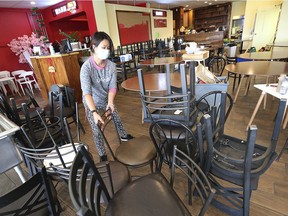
[(153, 82), (276, 53), (162, 61), (259, 68)]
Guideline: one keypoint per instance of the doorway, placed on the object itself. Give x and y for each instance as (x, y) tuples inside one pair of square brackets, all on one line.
[(265, 26)]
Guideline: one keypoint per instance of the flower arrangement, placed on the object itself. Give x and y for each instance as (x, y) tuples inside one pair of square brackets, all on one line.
[(26, 43)]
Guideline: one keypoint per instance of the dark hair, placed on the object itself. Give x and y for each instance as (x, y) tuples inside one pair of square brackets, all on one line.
[(97, 38)]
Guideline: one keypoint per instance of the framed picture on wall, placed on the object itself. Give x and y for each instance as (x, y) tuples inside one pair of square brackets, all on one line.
[(133, 26), (159, 23), (159, 13)]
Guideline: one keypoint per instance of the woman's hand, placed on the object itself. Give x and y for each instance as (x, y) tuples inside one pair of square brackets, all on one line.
[(110, 106), (97, 118)]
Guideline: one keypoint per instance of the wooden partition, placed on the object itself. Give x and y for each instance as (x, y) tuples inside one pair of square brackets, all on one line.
[(213, 39), (58, 69)]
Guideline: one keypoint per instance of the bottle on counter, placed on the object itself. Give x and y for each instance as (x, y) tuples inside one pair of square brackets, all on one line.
[(283, 84), (51, 49)]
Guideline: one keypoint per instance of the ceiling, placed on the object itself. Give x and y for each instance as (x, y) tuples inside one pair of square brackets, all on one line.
[(168, 4), (26, 3), (161, 4)]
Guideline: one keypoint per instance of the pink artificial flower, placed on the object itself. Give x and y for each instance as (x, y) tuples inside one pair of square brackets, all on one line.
[(25, 43)]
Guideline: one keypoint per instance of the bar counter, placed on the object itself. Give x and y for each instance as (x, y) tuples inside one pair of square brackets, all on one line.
[(58, 69)]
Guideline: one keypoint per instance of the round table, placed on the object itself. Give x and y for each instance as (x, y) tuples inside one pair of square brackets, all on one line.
[(167, 61), (153, 82), (257, 68), (162, 61), (276, 53)]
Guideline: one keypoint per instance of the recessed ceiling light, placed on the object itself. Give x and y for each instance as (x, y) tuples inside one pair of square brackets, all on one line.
[(186, 5), (205, 2), (32, 3), (215, 0), (210, 3)]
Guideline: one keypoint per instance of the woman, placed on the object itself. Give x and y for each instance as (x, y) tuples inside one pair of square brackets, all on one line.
[(98, 78)]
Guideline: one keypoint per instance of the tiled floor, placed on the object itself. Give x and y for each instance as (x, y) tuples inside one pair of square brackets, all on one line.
[(271, 198)]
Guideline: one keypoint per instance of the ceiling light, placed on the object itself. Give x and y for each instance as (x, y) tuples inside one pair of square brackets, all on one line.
[(186, 5), (210, 3), (205, 2), (32, 3)]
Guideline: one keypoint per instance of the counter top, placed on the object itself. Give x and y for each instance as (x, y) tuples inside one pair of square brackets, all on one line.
[(55, 55)]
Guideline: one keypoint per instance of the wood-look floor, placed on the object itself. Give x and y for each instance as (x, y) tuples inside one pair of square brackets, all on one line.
[(271, 198)]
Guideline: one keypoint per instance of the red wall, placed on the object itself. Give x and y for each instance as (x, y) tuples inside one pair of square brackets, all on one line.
[(14, 23), (85, 7), (68, 26)]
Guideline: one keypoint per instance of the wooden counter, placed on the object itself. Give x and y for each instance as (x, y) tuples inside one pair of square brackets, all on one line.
[(213, 39), (67, 72)]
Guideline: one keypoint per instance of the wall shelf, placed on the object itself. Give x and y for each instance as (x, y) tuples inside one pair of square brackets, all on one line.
[(212, 17)]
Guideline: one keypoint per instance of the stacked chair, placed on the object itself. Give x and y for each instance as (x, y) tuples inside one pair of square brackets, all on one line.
[(148, 195), (232, 165), (62, 103), (176, 106), (137, 152), (36, 196)]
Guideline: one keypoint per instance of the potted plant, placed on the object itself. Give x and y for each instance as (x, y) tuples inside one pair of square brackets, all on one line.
[(73, 38)]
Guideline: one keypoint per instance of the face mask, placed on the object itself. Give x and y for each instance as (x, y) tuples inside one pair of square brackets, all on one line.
[(103, 53)]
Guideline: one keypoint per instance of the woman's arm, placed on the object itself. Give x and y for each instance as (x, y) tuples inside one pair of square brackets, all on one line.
[(92, 108), (112, 88), (111, 97)]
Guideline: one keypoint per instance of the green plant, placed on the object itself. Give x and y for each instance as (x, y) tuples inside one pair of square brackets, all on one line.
[(72, 36)]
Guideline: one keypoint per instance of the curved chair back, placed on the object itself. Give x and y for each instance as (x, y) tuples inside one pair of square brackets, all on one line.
[(195, 176), (167, 133), (16, 73), (37, 131), (86, 202), (217, 65), (218, 105), (4, 74), (60, 156)]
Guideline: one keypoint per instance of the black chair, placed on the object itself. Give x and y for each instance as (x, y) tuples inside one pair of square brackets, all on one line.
[(14, 111), (114, 174), (7, 110), (176, 106), (118, 172), (148, 195), (191, 170), (167, 133), (62, 103), (216, 65), (36, 196), (61, 156), (134, 153), (20, 114), (233, 60), (215, 101), (35, 131), (238, 162)]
